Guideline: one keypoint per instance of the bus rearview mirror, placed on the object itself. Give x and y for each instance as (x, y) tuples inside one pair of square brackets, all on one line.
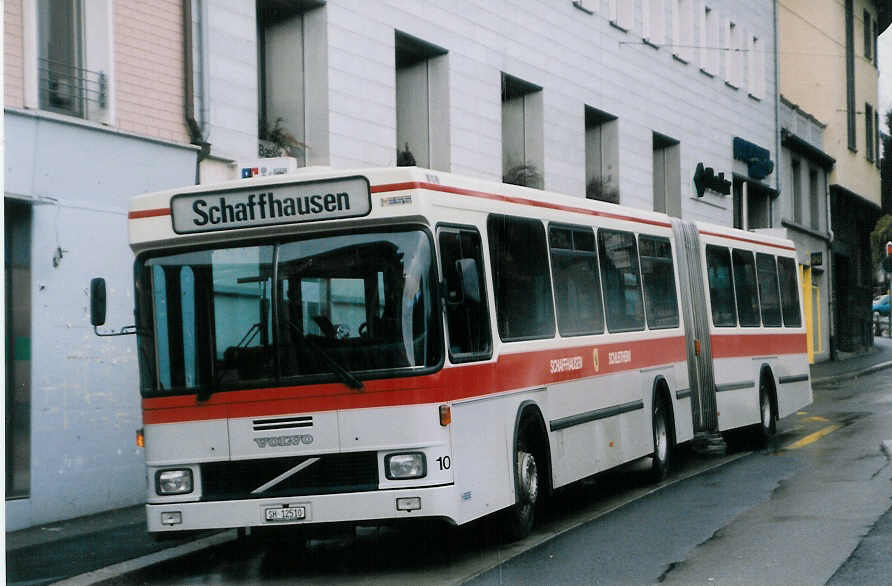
[(97, 301)]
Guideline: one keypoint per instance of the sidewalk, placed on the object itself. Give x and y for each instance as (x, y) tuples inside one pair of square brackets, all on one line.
[(853, 366), (91, 549), (99, 547)]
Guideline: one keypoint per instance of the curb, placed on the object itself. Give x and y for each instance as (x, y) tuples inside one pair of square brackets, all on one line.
[(128, 566), (827, 380)]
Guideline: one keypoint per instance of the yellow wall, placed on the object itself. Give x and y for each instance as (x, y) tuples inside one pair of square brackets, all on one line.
[(812, 44)]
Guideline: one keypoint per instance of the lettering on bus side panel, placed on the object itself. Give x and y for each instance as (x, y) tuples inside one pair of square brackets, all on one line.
[(270, 205)]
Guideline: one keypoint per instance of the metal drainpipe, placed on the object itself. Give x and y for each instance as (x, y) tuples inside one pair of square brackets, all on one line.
[(195, 135), (777, 139)]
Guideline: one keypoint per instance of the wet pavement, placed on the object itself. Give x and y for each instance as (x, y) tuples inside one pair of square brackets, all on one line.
[(98, 547)]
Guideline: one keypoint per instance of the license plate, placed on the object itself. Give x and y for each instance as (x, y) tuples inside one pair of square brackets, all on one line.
[(285, 514)]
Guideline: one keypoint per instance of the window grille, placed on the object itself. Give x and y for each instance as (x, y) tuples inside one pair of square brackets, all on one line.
[(68, 89)]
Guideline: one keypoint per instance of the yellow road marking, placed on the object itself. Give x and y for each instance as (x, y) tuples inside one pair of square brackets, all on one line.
[(817, 418), (812, 437)]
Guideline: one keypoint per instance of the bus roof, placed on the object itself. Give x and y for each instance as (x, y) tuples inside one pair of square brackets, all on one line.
[(152, 216)]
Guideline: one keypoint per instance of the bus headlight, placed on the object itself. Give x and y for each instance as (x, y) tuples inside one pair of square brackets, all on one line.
[(405, 466), (173, 481)]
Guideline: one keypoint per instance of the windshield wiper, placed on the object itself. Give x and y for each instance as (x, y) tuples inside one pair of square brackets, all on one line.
[(347, 377)]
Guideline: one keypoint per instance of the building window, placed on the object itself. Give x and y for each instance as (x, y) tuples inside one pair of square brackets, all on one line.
[(653, 21), (292, 80), (683, 29), (755, 59), (601, 156), (709, 47), (17, 273), (422, 104), (797, 191), (868, 36), (877, 142), (69, 80), (666, 175), (814, 200), (868, 132), (737, 203), (751, 205), (850, 76), (733, 55), (876, 52), (523, 146), (622, 14)]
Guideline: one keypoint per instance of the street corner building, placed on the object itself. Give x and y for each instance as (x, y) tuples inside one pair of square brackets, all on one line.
[(666, 105)]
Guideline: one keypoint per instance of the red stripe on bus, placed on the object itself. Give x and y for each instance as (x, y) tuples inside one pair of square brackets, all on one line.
[(730, 346), (749, 240), (510, 199), (148, 213), (512, 371)]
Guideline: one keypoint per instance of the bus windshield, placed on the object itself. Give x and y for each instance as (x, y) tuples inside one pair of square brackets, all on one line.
[(319, 309)]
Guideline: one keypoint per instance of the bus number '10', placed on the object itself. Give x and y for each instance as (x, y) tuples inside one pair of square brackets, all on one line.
[(444, 462)]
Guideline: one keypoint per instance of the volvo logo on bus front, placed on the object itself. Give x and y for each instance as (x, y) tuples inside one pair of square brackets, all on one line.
[(280, 441)]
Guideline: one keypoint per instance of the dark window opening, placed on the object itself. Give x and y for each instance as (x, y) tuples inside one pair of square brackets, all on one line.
[(789, 290), (721, 286), (769, 294), (621, 280), (17, 232), (658, 276), (577, 290), (521, 283), (745, 287), (467, 317)]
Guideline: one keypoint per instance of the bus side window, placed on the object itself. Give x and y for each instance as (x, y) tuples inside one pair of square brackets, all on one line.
[(522, 285), (786, 269), (658, 275), (769, 295), (622, 283), (745, 287), (577, 290), (467, 321), (721, 294)]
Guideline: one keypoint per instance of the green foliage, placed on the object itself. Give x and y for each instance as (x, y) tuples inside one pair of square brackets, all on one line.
[(882, 233), (525, 174)]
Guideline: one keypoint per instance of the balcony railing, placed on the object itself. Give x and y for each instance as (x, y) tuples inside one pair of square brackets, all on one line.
[(68, 89)]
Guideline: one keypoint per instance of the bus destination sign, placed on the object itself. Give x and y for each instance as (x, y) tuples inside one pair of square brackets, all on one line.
[(267, 205)]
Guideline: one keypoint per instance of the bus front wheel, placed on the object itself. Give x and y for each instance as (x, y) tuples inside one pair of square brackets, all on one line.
[(519, 518)]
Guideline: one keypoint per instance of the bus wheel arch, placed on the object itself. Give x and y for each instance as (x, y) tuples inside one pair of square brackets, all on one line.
[(663, 428), (531, 471)]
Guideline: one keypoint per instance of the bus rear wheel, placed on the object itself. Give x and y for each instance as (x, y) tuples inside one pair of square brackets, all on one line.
[(519, 518), (767, 419), (662, 436)]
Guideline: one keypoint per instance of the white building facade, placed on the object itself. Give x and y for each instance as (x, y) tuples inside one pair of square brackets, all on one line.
[(622, 100)]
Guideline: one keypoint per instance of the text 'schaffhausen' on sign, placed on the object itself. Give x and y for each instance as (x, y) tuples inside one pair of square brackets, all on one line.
[(267, 205)]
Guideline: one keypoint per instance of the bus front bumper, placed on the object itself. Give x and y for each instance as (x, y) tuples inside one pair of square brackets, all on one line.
[(373, 506)]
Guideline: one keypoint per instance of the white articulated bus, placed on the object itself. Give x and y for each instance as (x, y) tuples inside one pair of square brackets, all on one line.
[(393, 343)]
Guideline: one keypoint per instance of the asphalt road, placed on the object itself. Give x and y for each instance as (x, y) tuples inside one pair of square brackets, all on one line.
[(812, 507)]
